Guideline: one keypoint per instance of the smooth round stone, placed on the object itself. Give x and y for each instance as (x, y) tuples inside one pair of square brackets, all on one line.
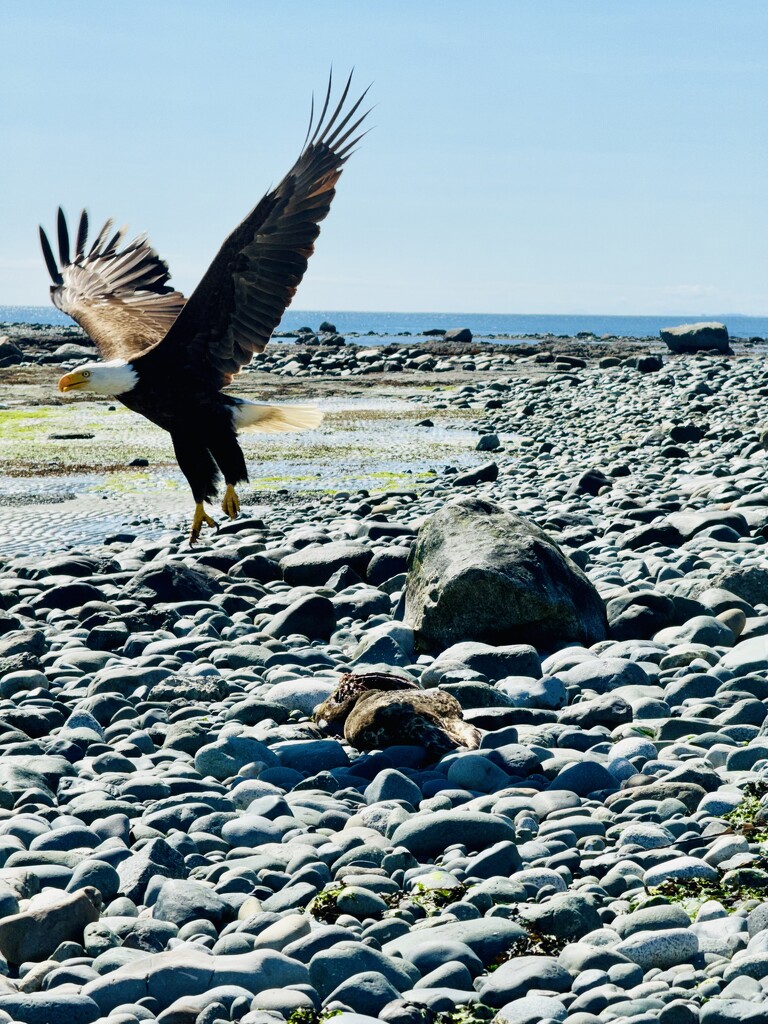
[(656, 918), (50, 1007), (13, 683), (85, 660), (431, 955), (311, 756), (733, 1011), (516, 978), (477, 773), (742, 759), (725, 848), (283, 932), (568, 915), (285, 1001), (532, 1010), (254, 830), (227, 756), (245, 792), (270, 806), (647, 835), (746, 657), (391, 784), (180, 901), (678, 869), (663, 948), (301, 694), (70, 837), (719, 803), (450, 974), (547, 692), (620, 768), (429, 835), (603, 675), (360, 902), (585, 777), (96, 873), (701, 629), (332, 967), (536, 878)]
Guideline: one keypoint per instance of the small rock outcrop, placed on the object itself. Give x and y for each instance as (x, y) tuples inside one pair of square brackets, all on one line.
[(479, 572), (707, 335), (458, 334)]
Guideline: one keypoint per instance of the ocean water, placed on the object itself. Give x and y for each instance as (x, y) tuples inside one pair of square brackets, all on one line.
[(518, 325)]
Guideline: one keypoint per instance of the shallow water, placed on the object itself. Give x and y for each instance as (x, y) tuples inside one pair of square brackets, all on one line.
[(79, 491)]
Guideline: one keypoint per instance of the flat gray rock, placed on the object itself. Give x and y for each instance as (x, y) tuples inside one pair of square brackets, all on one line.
[(429, 835)]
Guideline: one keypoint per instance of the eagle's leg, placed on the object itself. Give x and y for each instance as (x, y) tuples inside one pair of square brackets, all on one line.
[(231, 503), (229, 457), (198, 466), (200, 519)]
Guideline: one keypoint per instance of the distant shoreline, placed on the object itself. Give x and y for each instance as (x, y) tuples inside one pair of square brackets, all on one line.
[(510, 328)]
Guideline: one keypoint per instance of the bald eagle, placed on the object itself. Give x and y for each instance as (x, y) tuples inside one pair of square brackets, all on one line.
[(168, 357)]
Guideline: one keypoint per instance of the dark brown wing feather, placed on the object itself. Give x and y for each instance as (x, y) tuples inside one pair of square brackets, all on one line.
[(245, 291), (120, 297)]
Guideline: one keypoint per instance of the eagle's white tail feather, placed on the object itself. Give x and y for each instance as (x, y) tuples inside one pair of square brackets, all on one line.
[(275, 419)]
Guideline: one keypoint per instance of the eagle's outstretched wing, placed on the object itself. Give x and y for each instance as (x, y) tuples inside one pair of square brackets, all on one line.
[(245, 291), (120, 297)]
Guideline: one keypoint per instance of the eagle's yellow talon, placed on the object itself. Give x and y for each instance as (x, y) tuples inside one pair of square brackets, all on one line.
[(200, 519), (231, 503)]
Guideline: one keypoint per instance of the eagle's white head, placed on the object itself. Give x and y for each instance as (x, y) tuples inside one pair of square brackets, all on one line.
[(113, 378)]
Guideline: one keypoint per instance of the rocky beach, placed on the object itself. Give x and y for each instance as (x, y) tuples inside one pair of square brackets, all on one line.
[(559, 545)]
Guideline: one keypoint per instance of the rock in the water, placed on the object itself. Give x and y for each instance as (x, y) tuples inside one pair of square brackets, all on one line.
[(693, 337), (479, 572)]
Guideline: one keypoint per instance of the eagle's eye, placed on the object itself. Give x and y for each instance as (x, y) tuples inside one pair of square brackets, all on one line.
[(86, 373)]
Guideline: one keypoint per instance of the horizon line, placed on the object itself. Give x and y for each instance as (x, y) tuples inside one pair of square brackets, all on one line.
[(432, 312)]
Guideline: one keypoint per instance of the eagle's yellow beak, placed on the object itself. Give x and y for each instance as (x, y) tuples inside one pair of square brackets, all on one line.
[(72, 381)]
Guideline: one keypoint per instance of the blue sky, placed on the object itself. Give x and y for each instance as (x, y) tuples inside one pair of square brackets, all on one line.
[(529, 156)]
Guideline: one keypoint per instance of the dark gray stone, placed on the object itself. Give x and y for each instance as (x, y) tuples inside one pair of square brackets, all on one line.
[(458, 334), (312, 616), (154, 858), (479, 572), (171, 583), (429, 835), (52, 1007), (486, 473), (183, 901), (312, 565), (518, 977)]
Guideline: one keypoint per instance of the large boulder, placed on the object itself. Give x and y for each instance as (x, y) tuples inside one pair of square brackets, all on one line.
[(36, 932), (479, 572), (707, 335), (458, 334)]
